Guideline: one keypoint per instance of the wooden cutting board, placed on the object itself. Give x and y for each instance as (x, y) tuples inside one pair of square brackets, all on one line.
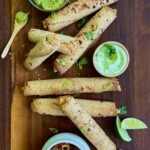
[(29, 131)]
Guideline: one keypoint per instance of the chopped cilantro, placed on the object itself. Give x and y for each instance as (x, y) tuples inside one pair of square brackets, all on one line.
[(123, 110), (53, 130), (53, 15), (90, 35), (62, 109), (76, 95), (110, 50), (54, 74), (82, 62), (49, 37), (105, 86), (83, 130), (82, 22), (63, 62), (68, 84)]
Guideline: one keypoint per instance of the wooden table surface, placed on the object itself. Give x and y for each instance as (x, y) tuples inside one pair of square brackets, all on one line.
[(133, 26)]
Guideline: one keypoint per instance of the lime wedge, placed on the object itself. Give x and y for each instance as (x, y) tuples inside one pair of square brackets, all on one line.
[(133, 124), (122, 133)]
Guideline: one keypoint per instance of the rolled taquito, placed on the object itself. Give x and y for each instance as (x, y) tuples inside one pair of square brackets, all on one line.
[(95, 108), (48, 43), (92, 30), (36, 35), (70, 86), (85, 123), (74, 12)]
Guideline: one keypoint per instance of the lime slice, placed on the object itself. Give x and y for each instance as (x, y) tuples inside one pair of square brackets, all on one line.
[(133, 124), (122, 133)]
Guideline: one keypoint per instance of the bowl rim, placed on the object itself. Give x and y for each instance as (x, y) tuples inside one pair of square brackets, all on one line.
[(43, 10), (58, 138), (122, 70)]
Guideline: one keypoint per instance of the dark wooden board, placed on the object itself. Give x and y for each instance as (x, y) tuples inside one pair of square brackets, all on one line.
[(131, 28)]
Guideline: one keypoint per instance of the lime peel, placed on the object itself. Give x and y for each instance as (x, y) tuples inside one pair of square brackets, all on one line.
[(122, 133)]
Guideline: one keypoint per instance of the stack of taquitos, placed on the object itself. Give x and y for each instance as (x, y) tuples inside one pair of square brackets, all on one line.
[(50, 42), (78, 111)]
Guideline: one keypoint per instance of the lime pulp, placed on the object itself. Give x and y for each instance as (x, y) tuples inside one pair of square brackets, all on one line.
[(133, 124)]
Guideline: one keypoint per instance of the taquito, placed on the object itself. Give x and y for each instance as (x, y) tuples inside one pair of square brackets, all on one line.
[(95, 27), (74, 12), (86, 124), (70, 86), (36, 35), (48, 43), (95, 108)]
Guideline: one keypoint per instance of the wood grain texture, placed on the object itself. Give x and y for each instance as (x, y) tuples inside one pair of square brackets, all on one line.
[(5, 76), (30, 130)]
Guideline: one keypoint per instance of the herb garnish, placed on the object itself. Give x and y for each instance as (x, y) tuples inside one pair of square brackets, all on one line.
[(105, 86), (83, 130), (76, 95), (53, 130), (53, 15), (110, 50), (54, 74), (123, 110), (67, 84), (63, 62), (90, 35), (82, 62), (49, 37), (82, 22)]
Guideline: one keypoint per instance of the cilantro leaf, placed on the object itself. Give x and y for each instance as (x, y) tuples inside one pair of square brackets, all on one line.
[(54, 74), (82, 22), (53, 15), (123, 110), (90, 35), (82, 62), (76, 95), (110, 50)]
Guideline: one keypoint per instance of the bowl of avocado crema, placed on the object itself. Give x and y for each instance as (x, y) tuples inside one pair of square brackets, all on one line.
[(48, 5), (111, 59)]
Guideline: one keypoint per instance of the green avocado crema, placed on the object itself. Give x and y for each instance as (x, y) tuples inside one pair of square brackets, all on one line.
[(50, 5), (111, 59), (21, 17)]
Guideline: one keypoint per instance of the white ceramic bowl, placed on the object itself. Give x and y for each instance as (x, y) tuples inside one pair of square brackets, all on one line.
[(111, 42), (66, 138)]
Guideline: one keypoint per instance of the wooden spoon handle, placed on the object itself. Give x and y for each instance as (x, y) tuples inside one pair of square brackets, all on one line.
[(6, 49)]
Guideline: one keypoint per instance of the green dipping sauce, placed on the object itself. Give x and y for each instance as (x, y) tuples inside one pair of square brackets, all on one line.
[(21, 17), (50, 5), (111, 59)]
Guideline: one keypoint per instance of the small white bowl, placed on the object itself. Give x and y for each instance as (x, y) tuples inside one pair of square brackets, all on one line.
[(66, 138), (125, 67)]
